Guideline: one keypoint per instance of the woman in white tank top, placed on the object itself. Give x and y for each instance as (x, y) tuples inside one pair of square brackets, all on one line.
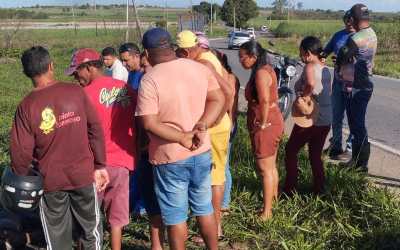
[(315, 82)]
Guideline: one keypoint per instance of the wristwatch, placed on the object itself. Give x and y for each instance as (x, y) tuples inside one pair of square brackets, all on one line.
[(264, 125)]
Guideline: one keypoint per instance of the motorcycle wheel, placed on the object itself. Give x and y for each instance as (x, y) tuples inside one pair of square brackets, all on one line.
[(285, 104)]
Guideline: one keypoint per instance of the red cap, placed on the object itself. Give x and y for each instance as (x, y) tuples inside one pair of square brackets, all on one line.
[(81, 56)]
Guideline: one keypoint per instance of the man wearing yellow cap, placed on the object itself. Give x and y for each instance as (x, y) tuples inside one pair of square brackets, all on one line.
[(219, 133)]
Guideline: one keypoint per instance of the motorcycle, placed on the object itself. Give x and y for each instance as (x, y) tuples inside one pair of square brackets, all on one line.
[(21, 231), (24, 232), (287, 70)]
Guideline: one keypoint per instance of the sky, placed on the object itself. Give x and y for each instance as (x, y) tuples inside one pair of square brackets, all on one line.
[(375, 5)]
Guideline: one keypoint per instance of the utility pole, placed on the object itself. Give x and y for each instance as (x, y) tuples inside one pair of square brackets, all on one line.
[(139, 30), (211, 18), (73, 18), (127, 21), (290, 5), (95, 14), (166, 13), (165, 5), (234, 18), (191, 14)]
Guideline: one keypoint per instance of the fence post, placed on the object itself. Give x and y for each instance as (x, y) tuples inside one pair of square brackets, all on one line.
[(105, 26)]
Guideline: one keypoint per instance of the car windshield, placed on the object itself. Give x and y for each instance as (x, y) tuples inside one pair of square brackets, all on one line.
[(241, 34)]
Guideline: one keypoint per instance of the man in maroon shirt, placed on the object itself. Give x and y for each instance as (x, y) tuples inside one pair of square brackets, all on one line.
[(56, 126), (115, 103)]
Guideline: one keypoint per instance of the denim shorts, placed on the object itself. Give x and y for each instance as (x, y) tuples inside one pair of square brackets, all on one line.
[(182, 185)]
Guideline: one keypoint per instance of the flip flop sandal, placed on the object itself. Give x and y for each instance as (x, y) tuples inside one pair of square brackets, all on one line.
[(198, 240)]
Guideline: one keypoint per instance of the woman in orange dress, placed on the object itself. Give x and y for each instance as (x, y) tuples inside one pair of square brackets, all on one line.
[(264, 119)]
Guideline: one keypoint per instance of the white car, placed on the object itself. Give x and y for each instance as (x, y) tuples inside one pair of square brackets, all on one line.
[(251, 32), (237, 39)]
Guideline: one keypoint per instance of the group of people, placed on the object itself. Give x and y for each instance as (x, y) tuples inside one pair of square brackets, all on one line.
[(320, 105), (155, 128)]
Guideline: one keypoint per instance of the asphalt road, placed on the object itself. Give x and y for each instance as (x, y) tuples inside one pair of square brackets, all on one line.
[(383, 122)]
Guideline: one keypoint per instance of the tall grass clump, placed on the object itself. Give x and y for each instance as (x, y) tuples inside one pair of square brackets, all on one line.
[(322, 29)]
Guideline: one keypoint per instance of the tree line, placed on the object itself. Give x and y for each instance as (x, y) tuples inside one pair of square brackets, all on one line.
[(22, 14)]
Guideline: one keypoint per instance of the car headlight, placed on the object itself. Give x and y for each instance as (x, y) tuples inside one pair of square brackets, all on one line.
[(291, 71)]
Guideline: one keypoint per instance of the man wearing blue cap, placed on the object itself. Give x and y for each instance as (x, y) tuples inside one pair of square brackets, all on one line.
[(356, 59), (177, 101)]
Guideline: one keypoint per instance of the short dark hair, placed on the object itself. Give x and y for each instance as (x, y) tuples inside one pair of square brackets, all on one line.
[(312, 44), (35, 61), (129, 47), (108, 51)]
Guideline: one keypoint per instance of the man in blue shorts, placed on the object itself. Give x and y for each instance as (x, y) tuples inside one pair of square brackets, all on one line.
[(177, 101)]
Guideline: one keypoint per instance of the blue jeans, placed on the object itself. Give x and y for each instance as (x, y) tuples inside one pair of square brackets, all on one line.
[(136, 203), (228, 177), (182, 185), (340, 104), (228, 181), (358, 111), (142, 198)]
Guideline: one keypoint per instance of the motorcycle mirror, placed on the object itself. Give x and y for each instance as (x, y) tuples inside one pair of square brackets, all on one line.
[(271, 43)]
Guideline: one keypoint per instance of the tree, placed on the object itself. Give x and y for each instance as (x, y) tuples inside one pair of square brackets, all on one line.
[(280, 5), (202, 8), (205, 9), (244, 10), (300, 5)]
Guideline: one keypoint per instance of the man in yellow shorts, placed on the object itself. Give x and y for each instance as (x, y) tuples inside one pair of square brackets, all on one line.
[(189, 47)]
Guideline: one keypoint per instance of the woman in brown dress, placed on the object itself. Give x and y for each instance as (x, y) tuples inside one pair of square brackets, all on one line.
[(264, 119)]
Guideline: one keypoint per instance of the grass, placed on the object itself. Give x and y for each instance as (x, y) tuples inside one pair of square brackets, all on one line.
[(352, 214), (219, 30), (146, 14), (387, 61)]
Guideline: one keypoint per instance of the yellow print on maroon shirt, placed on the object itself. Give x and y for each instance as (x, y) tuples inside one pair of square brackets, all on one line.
[(48, 121), (67, 118), (108, 97)]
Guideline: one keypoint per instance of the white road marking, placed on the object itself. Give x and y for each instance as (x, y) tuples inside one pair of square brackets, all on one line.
[(378, 144), (217, 39)]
